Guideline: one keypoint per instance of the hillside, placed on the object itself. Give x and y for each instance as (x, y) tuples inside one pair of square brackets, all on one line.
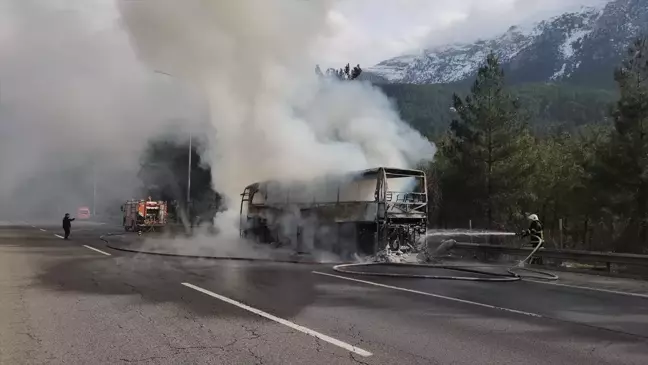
[(580, 47), (549, 106)]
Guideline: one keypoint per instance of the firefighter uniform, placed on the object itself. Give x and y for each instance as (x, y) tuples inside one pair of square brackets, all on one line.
[(535, 234)]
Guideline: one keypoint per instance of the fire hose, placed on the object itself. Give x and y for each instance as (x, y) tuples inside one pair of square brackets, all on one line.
[(512, 273)]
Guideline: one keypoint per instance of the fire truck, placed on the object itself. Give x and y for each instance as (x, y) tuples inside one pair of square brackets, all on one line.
[(144, 215)]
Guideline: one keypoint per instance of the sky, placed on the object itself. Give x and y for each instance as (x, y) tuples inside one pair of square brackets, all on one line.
[(370, 31)]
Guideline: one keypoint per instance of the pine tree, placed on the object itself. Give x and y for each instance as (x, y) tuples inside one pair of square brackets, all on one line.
[(584, 199), (343, 74), (487, 157), (621, 172)]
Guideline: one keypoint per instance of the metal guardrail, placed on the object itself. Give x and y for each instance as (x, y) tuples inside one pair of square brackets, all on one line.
[(572, 255)]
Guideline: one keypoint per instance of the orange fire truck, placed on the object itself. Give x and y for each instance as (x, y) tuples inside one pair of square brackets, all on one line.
[(144, 215)]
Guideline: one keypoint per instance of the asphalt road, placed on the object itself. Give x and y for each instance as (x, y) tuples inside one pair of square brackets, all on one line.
[(64, 302)]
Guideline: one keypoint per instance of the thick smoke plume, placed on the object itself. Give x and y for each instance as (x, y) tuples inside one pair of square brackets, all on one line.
[(274, 119), (76, 108)]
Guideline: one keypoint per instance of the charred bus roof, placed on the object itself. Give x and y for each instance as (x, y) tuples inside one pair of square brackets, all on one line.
[(391, 170), (358, 174)]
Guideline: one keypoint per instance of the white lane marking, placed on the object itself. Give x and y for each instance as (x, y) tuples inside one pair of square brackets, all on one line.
[(33, 226), (292, 325), (61, 237), (44, 230), (94, 249), (645, 296), (432, 295)]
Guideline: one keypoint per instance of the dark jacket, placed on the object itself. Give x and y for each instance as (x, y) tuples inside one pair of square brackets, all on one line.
[(67, 222), (535, 231)]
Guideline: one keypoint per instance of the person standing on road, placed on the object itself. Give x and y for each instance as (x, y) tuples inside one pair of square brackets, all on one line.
[(67, 224)]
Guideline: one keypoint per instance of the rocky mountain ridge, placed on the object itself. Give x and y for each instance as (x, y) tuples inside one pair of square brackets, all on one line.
[(581, 47)]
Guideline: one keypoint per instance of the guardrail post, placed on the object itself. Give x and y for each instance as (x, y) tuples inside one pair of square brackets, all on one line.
[(560, 228), (470, 229)]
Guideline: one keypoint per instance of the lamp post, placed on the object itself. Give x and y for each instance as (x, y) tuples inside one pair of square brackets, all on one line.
[(189, 173), (94, 192), (190, 146)]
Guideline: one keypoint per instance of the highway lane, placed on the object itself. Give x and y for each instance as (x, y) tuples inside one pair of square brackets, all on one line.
[(623, 313), (71, 305), (63, 303)]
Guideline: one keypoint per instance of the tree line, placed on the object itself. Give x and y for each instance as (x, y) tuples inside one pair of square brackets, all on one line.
[(493, 168), (549, 107)]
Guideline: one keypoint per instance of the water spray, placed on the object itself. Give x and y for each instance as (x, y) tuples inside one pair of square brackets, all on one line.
[(457, 232)]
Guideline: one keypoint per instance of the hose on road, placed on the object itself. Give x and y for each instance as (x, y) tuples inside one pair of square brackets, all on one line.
[(488, 276), (203, 257), (511, 274)]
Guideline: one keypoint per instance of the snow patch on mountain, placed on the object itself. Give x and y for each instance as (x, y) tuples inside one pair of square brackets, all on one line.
[(567, 48), (395, 69), (560, 73)]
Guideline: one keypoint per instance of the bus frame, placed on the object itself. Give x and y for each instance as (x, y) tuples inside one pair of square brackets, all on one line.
[(389, 218)]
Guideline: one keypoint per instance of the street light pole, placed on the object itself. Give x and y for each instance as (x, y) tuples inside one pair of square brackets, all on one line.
[(189, 173), (190, 146), (94, 192)]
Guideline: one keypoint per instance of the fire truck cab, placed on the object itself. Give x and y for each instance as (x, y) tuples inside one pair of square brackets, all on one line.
[(144, 215)]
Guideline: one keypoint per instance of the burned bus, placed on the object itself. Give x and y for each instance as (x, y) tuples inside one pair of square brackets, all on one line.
[(362, 212)]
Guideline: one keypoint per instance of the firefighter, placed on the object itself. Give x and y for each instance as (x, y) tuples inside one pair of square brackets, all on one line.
[(535, 234), (67, 224)]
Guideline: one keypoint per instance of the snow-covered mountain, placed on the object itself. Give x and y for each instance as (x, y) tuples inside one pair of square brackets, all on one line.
[(582, 46)]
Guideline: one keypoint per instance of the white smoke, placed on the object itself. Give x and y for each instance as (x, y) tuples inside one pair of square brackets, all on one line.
[(76, 108), (254, 60)]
